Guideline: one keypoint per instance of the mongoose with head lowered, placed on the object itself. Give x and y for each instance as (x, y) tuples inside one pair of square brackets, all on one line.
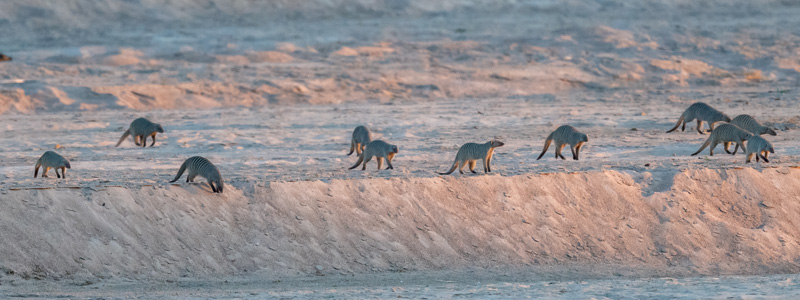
[(361, 137), (199, 165), (4, 57), (53, 160), (747, 122), (469, 153), (725, 133), (380, 150), (565, 135), (140, 129), (758, 147), (702, 112)]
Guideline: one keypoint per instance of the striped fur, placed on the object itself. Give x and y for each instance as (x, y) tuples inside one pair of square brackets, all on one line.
[(703, 113), (725, 133), (751, 125), (565, 135), (380, 150), (469, 153), (4, 57), (361, 137), (140, 129), (53, 160), (758, 147), (198, 165)]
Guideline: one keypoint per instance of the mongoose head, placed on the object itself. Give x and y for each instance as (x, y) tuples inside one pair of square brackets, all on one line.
[(771, 131), (726, 118), (770, 149), (4, 57), (496, 143), (66, 164), (394, 149), (159, 128), (584, 138)]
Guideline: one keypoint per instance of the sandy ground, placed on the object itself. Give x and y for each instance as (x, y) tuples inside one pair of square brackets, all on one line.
[(270, 92)]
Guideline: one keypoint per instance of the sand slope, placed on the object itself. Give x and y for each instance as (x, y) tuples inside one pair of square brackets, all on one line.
[(704, 221)]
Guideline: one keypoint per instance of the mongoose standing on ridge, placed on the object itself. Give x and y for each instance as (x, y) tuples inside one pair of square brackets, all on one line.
[(565, 135), (380, 150), (198, 165), (140, 129), (469, 153), (4, 57), (747, 122), (702, 112), (361, 137), (53, 160), (725, 133), (758, 147)]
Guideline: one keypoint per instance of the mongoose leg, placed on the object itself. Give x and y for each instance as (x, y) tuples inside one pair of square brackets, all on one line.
[(700, 127), (56, 170), (461, 167), (63, 172), (486, 164), (154, 140), (560, 148), (683, 126), (749, 157), (380, 162), (711, 149), (144, 141), (211, 183), (578, 150), (366, 160), (766, 154), (36, 171), (726, 146), (44, 172), (472, 164), (764, 158), (389, 161)]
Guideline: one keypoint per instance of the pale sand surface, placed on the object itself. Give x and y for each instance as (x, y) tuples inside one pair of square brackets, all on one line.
[(270, 92)]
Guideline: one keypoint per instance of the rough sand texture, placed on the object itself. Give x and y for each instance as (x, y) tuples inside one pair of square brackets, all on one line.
[(270, 91)]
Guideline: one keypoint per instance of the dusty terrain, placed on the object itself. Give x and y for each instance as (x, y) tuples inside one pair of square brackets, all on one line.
[(270, 92)]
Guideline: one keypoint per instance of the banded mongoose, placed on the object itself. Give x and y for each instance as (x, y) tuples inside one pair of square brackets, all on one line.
[(565, 135), (140, 129), (380, 150), (702, 112), (199, 165), (747, 122), (469, 153), (361, 137), (758, 147), (53, 160), (4, 57), (725, 133)]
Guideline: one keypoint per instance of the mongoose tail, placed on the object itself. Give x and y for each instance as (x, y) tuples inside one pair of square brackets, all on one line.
[(180, 172), (546, 145), (352, 147), (360, 159), (452, 169), (124, 135), (708, 142), (680, 122)]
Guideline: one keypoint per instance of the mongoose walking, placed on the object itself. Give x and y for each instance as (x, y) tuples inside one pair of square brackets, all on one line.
[(380, 150), (565, 135), (725, 133), (469, 153), (361, 137), (53, 160), (758, 147), (4, 57), (702, 112), (140, 129), (747, 122), (199, 165)]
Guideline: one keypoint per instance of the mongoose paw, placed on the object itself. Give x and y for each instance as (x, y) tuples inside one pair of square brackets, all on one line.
[(473, 172)]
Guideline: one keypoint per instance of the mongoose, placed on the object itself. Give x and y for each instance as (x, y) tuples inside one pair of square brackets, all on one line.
[(747, 122), (702, 112), (469, 153), (140, 129), (758, 147), (199, 165), (49, 160), (565, 135), (725, 133), (4, 57), (380, 150), (361, 137)]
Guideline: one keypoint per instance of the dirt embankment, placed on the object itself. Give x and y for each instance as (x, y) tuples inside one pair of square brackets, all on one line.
[(691, 222)]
